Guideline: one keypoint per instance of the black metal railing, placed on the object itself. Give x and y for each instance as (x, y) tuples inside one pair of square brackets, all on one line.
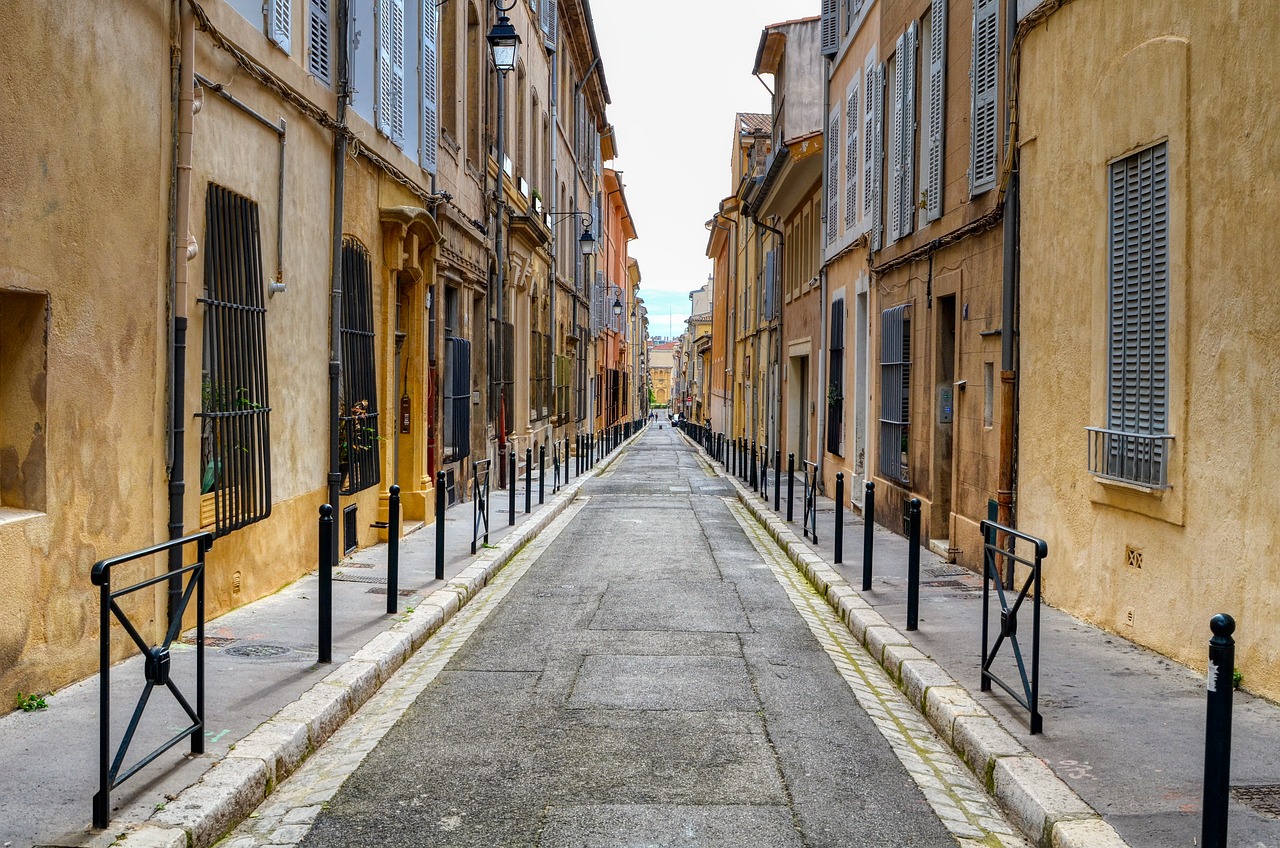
[(480, 501), (810, 527), (156, 669), (1030, 688)]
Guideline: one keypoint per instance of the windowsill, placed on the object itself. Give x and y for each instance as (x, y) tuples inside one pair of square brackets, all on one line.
[(11, 515), (1127, 486)]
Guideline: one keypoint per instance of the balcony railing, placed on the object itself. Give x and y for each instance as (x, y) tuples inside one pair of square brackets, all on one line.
[(1140, 459)]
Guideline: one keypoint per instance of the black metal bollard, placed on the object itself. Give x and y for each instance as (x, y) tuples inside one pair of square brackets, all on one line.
[(755, 466), (440, 499), (913, 564), (1217, 735), (566, 459), (542, 474), (777, 480), (393, 549), (868, 533), (511, 487), (839, 516), (326, 583), (528, 480), (791, 486)]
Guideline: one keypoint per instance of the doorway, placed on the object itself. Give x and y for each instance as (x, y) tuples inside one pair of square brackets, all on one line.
[(944, 426), (798, 408)]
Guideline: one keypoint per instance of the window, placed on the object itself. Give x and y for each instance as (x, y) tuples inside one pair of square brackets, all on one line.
[(318, 45), (830, 27), (875, 169), (24, 324), (550, 23), (279, 22), (390, 101), (457, 398), (1132, 447), (430, 140), (475, 75), (835, 382), (358, 452), (903, 134), (833, 177), (895, 391), (853, 118), (936, 120), (988, 393), (985, 69), (235, 443)]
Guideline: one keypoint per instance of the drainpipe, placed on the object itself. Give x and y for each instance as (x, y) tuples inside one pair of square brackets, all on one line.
[(551, 208), (183, 252), (1008, 349), (335, 308), (821, 448)]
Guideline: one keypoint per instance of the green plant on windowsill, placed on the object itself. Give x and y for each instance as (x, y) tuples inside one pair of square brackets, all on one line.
[(30, 702)]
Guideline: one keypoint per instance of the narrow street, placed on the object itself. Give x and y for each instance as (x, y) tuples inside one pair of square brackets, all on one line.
[(650, 671)]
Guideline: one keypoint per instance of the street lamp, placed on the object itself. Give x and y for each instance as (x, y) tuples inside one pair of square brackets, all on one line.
[(504, 41), (617, 308)]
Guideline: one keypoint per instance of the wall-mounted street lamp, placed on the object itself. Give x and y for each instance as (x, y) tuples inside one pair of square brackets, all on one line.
[(586, 241), (617, 308), (504, 41)]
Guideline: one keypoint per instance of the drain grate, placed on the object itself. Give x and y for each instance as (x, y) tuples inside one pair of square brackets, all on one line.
[(209, 641), (944, 570), (256, 651), (382, 590), (353, 564), (1261, 799), (339, 577), (948, 584)]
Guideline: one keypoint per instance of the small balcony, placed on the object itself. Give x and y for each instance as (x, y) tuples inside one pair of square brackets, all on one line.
[(1137, 459)]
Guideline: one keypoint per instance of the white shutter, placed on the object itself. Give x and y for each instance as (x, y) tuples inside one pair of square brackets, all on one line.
[(550, 22), (383, 100), (984, 126), (877, 160), (868, 141), (318, 48), (896, 141), (280, 22), (907, 147), (830, 22), (430, 85), (937, 109), (852, 118), (833, 177), (397, 72)]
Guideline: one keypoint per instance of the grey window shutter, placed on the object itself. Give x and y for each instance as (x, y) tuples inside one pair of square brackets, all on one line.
[(397, 72), (383, 101), (430, 85), (937, 107), (984, 127), (907, 149), (852, 118), (868, 132), (550, 22), (895, 388), (877, 160), (833, 177), (318, 47), (280, 22), (896, 140), (830, 31)]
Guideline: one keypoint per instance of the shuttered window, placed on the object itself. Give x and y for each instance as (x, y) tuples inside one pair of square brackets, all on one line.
[(430, 85), (457, 398), (984, 126), (937, 110), (358, 438), (895, 148), (868, 136), (280, 22), (1138, 385), (390, 101), (550, 22), (833, 177), (907, 145), (852, 119), (895, 390), (319, 48), (235, 444), (835, 383), (830, 27), (877, 159)]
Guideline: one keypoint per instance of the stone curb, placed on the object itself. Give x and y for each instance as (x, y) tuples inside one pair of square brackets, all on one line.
[(237, 784), (1047, 811)]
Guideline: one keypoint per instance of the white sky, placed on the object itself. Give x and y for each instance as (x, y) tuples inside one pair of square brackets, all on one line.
[(678, 71)]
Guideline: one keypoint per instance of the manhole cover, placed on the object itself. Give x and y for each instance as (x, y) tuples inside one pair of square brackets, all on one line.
[(357, 578), (1261, 799), (209, 641), (256, 651)]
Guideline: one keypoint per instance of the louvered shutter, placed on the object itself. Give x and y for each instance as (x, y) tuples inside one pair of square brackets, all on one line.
[(877, 160), (895, 388), (852, 118), (1139, 320), (937, 107), (430, 86), (984, 126), (896, 142), (830, 23), (280, 22), (382, 106), (318, 49), (833, 178), (397, 72), (868, 141), (550, 22), (907, 149)]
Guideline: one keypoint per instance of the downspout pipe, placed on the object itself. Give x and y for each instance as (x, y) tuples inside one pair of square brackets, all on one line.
[(182, 254), (820, 449), (1008, 341), (555, 234), (335, 307)]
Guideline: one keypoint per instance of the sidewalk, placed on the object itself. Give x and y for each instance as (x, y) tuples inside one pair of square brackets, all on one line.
[(1123, 726), (260, 665)]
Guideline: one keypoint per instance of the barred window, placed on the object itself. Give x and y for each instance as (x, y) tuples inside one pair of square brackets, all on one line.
[(895, 391), (457, 398), (235, 437), (359, 456), (501, 379)]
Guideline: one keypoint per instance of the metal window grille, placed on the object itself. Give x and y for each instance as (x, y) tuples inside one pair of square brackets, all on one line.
[(501, 376), (895, 390), (358, 437), (835, 387), (235, 408), (457, 399)]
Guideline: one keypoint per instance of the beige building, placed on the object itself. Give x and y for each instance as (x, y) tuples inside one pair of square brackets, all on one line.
[(1147, 448), (661, 362)]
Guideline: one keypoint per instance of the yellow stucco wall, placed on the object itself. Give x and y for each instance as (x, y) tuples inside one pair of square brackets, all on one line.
[(1200, 76)]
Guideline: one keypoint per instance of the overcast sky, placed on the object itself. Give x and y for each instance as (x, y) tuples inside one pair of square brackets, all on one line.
[(678, 71)]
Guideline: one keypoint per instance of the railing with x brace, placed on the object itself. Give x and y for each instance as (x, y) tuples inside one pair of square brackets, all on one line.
[(480, 501), (156, 669), (810, 524), (994, 555)]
